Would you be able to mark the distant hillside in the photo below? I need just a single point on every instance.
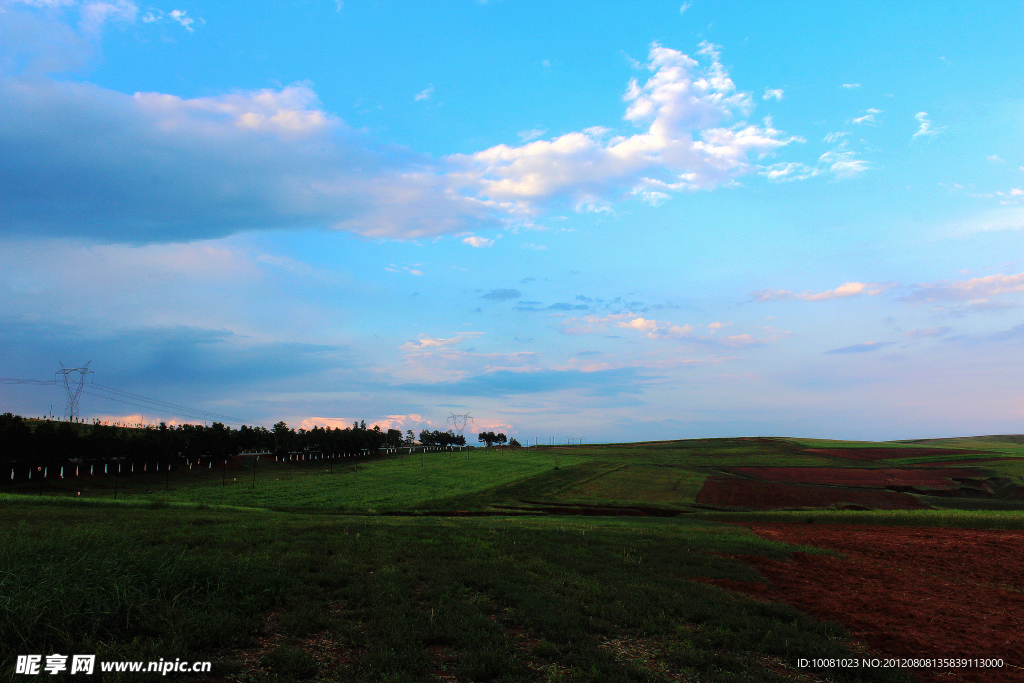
(971, 441)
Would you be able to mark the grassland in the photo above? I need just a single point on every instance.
(373, 572)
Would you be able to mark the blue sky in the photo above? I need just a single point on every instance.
(579, 219)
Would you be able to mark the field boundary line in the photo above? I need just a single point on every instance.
(595, 477)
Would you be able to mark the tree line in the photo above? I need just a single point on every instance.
(46, 442)
(490, 438)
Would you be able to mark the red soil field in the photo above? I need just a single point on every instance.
(766, 495)
(940, 463)
(907, 592)
(839, 476)
(886, 453)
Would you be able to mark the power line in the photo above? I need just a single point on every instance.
(145, 401)
(120, 396)
(12, 380)
(181, 413)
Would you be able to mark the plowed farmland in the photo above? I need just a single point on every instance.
(766, 495)
(907, 592)
(885, 453)
(940, 478)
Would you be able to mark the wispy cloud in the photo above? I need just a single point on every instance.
(424, 94)
(868, 117)
(178, 16)
(847, 289)
(412, 269)
(924, 125)
(978, 289)
(427, 342)
(930, 332)
(772, 94)
(863, 347)
(685, 6)
(94, 15)
(787, 171)
(843, 162)
(850, 86)
(502, 294)
(528, 135)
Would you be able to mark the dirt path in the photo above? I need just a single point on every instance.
(909, 591)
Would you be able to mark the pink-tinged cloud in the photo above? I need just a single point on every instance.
(930, 332)
(847, 289)
(975, 290)
(655, 329)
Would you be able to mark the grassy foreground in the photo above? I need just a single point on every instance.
(402, 599)
(371, 572)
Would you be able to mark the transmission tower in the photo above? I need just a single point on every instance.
(73, 389)
(459, 421)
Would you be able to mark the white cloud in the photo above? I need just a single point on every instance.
(850, 86)
(425, 93)
(693, 138)
(995, 159)
(925, 126)
(792, 170)
(842, 163)
(847, 289)
(772, 94)
(534, 247)
(181, 16)
(685, 6)
(656, 329)
(869, 117)
(527, 135)
(427, 342)
(478, 242)
(184, 169)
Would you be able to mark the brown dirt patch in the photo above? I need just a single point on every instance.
(941, 478)
(886, 453)
(767, 495)
(908, 592)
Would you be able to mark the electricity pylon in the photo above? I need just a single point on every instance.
(459, 421)
(74, 390)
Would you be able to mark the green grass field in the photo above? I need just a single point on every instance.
(373, 573)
